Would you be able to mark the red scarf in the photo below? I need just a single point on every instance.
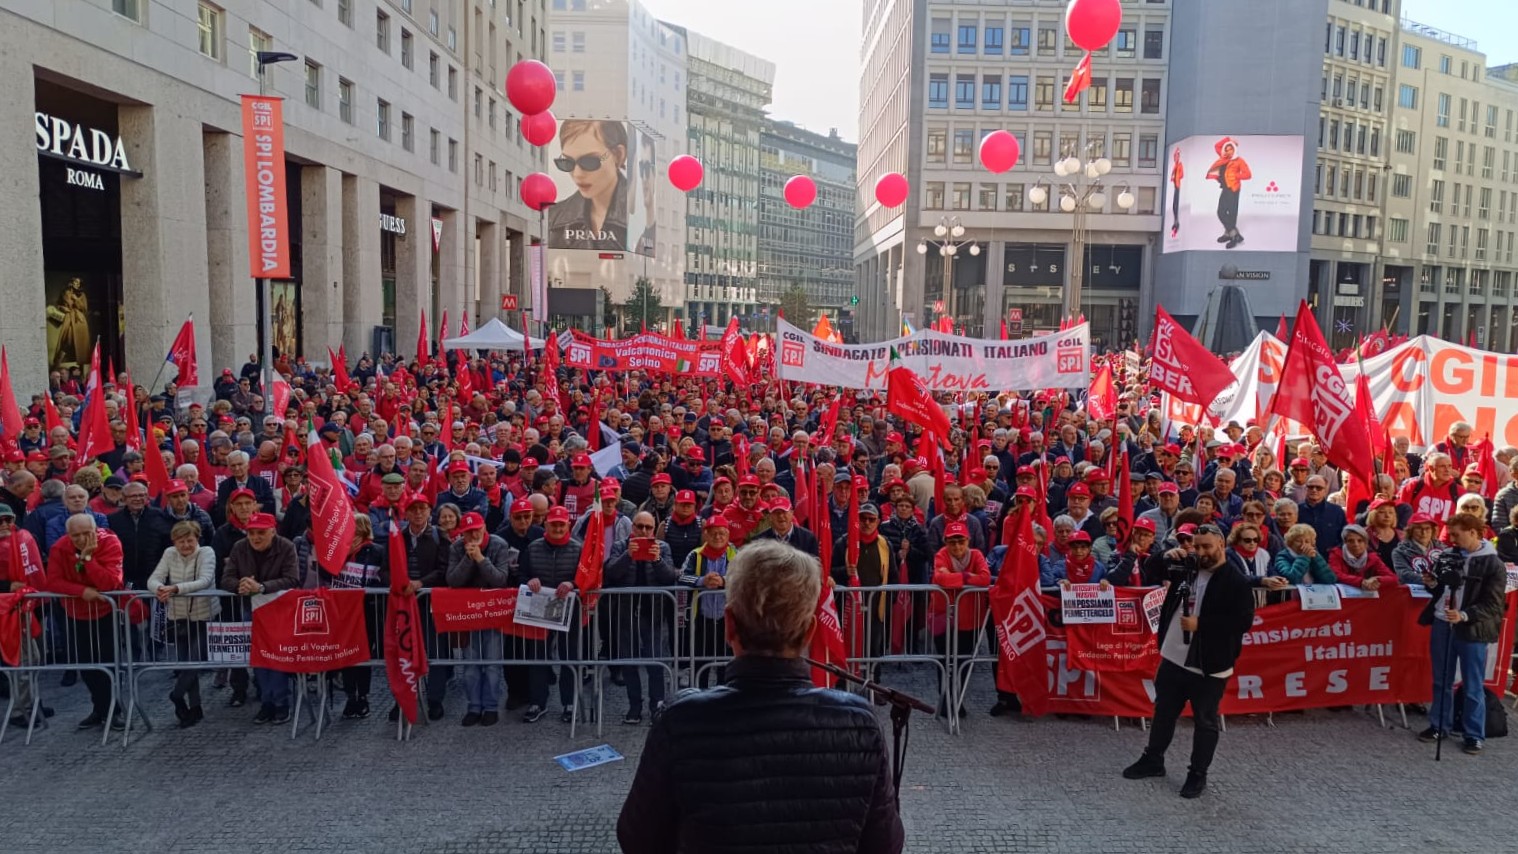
(710, 554)
(1079, 570)
(684, 520)
(1248, 552)
(557, 541)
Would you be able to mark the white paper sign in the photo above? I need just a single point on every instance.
(1320, 597)
(1350, 591)
(228, 643)
(1154, 604)
(1087, 604)
(544, 609)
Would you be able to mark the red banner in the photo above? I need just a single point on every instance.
(405, 651)
(1127, 645)
(310, 631)
(475, 610)
(648, 351)
(263, 152)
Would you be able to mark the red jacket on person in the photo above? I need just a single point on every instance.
(1374, 568)
(68, 576)
(21, 560)
(972, 611)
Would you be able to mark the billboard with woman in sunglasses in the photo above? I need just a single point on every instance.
(595, 180)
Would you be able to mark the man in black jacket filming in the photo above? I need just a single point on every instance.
(1208, 607)
(766, 761)
(1465, 616)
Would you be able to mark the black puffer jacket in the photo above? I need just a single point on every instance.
(766, 762)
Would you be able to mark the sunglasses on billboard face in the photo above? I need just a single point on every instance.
(586, 163)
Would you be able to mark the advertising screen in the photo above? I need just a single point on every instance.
(604, 171)
(1233, 192)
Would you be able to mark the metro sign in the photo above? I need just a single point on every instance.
(508, 302)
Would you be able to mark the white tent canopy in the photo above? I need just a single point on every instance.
(494, 335)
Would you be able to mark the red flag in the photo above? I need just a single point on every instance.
(593, 429)
(11, 422)
(740, 454)
(735, 355)
(1281, 331)
(1124, 499)
(1080, 79)
(929, 450)
(405, 653)
(1020, 622)
(134, 429)
(1101, 400)
(462, 376)
(679, 329)
(157, 472)
(1486, 463)
(829, 422)
(1470, 338)
(527, 343)
(442, 333)
(852, 613)
(1313, 393)
(588, 572)
(331, 510)
(463, 324)
(851, 550)
(53, 419)
(827, 640)
(423, 351)
(94, 429)
(182, 354)
(822, 526)
(340, 376)
(1004, 330)
(1182, 366)
(908, 398)
(281, 392)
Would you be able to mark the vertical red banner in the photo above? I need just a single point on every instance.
(263, 151)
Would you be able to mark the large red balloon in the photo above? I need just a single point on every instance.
(800, 191)
(891, 190)
(685, 172)
(1093, 23)
(999, 151)
(538, 191)
(540, 129)
(530, 86)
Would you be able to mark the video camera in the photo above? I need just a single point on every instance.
(1449, 569)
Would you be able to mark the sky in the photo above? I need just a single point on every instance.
(814, 45)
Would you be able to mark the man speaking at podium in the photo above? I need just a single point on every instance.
(765, 762)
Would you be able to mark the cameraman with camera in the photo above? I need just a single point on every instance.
(1469, 584)
(1209, 605)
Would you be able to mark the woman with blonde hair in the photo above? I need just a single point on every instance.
(1300, 562)
(186, 567)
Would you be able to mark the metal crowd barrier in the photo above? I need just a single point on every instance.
(89, 647)
(898, 630)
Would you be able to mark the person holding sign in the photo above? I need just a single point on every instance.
(1208, 607)
(186, 567)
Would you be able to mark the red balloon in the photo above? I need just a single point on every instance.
(538, 191)
(1093, 23)
(891, 190)
(685, 172)
(999, 151)
(800, 191)
(540, 129)
(530, 86)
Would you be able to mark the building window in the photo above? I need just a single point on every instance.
(408, 54)
(1125, 44)
(1436, 197)
(1444, 63)
(990, 92)
(1149, 150)
(490, 111)
(313, 85)
(258, 41)
(479, 103)
(938, 90)
(1043, 147)
(345, 12)
(1154, 44)
(1407, 97)
(1150, 97)
(1043, 95)
(576, 42)
(964, 145)
(433, 70)
(961, 199)
(1017, 92)
(1441, 151)
(453, 83)
(1122, 149)
(940, 36)
(434, 143)
(432, 26)
(967, 38)
(577, 81)
(992, 43)
(1412, 56)
(1021, 41)
(1407, 141)
(964, 91)
(1048, 41)
(382, 118)
(453, 39)
(125, 8)
(938, 144)
(1122, 95)
(1396, 230)
(1012, 200)
(408, 132)
(453, 155)
(1441, 113)
(210, 31)
(1096, 96)
(560, 43)
(345, 100)
(382, 32)
(933, 197)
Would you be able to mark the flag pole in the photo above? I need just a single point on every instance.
(159, 375)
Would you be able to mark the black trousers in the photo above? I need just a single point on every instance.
(1174, 687)
(1228, 210)
(95, 643)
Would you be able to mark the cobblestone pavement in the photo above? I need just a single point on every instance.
(1323, 781)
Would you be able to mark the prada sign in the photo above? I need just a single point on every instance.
(83, 146)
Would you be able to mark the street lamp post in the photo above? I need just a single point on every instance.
(950, 234)
(1082, 189)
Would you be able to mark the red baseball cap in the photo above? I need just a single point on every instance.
(1474, 469)
(861, 482)
(15, 456)
(610, 490)
(580, 461)
(685, 496)
(1300, 463)
(176, 486)
(1080, 537)
(1097, 475)
(260, 522)
(558, 514)
(32, 422)
(893, 436)
(748, 480)
(695, 453)
(1378, 503)
(781, 503)
(530, 462)
(416, 498)
(458, 466)
(659, 478)
(1170, 487)
(956, 529)
(1026, 492)
(521, 505)
(895, 481)
(717, 521)
(1026, 470)
(471, 522)
(1172, 449)
(1186, 530)
(36, 457)
(1422, 519)
(1078, 490)
(1142, 524)
(241, 492)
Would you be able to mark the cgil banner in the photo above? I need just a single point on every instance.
(310, 631)
(647, 351)
(1372, 651)
(944, 362)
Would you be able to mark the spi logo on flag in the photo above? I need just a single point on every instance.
(709, 362)
(1023, 628)
(578, 354)
(793, 354)
(311, 617)
(1069, 360)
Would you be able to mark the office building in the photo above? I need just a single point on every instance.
(403, 162)
(812, 247)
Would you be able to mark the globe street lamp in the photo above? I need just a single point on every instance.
(1082, 190)
(950, 234)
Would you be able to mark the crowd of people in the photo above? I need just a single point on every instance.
(487, 470)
